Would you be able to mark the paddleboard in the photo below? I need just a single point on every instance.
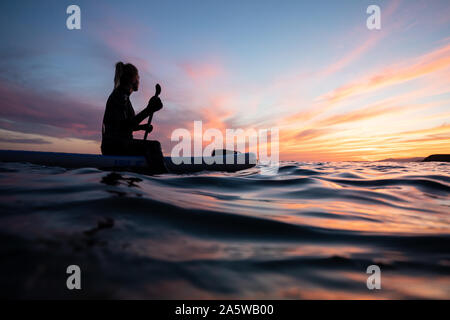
(226, 162)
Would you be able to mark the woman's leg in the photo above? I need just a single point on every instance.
(151, 149)
(116, 147)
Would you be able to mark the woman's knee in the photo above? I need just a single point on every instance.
(154, 144)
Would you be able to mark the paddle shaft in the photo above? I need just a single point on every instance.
(150, 117)
(148, 125)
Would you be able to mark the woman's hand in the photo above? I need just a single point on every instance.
(155, 104)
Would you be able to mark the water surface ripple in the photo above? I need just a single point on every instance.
(306, 232)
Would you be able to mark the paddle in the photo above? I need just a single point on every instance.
(157, 92)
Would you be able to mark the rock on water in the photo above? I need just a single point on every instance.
(438, 157)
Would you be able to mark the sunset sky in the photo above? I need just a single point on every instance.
(336, 90)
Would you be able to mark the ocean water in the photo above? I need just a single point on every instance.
(307, 232)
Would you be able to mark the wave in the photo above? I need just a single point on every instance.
(308, 231)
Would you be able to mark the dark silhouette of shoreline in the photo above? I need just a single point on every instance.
(433, 157)
(437, 157)
(414, 159)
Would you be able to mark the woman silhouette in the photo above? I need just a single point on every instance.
(119, 120)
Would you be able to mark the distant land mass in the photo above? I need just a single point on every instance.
(438, 157)
(433, 157)
(415, 159)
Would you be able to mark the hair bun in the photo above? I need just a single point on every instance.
(118, 74)
(125, 74)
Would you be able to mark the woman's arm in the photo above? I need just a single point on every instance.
(137, 119)
(143, 127)
(154, 105)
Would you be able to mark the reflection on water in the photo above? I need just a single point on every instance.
(308, 232)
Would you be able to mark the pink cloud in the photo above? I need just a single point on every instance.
(48, 114)
(202, 71)
(436, 60)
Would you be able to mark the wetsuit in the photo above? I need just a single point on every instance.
(119, 122)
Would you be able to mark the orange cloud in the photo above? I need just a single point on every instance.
(201, 71)
(352, 55)
(413, 69)
(375, 131)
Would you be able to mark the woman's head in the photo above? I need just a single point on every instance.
(126, 76)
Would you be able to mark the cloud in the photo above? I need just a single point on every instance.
(24, 141)
(444, 128)
(436, 60)
(202, 71)
(310, 134)
(352, 56)
(296, 99)
(48, 113)
(433, 63)
(366, 113)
